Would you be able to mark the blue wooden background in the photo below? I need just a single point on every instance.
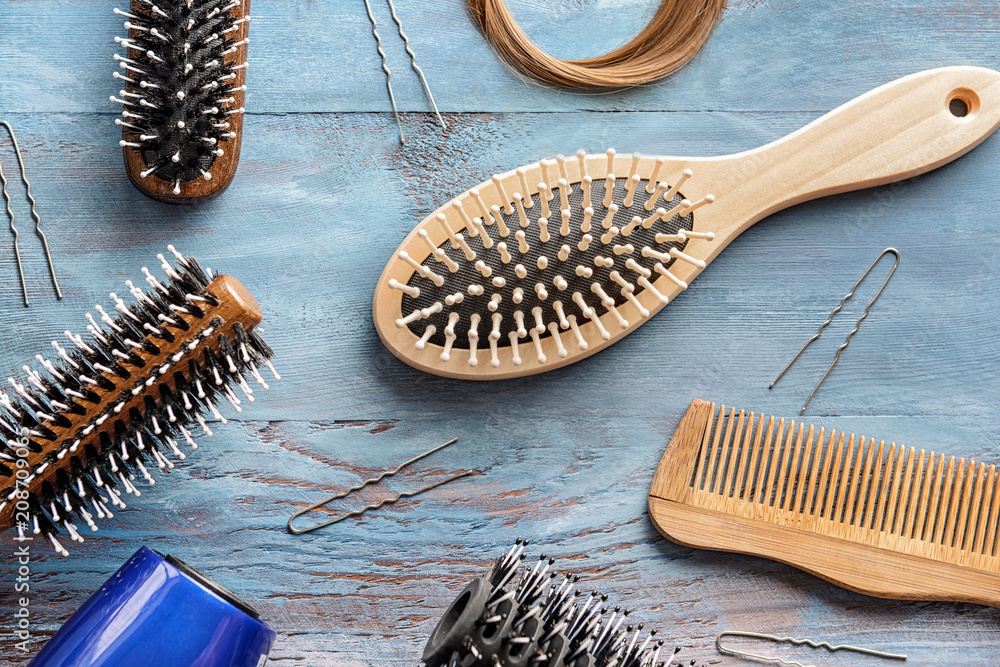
(324, 195)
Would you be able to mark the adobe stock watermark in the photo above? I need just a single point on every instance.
(22, 553)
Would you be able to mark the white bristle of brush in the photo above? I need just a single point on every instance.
(179, 67)
(516, 610)
(106, 455)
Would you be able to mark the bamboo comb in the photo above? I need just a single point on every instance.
(885, 521)
(78, 434)
(550, 263)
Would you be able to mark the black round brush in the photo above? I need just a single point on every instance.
(521, 616)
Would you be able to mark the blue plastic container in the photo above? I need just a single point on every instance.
(159, 612)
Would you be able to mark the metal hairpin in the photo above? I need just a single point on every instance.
(385, 68)
(413, 63)
(836, 310)
(374, 480)
(388, 72)
(34, 215)
(797, 642)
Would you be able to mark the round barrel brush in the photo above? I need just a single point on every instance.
(528, 616)
(78, 433)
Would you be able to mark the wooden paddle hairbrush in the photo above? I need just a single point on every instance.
(884, 521)
(77, 434)
(552, 262)
(184, 72)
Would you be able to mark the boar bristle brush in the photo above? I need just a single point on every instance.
(521, 616)
(79, 432)
(550, 263)
(184, 74)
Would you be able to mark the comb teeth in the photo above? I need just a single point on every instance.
(854, 488)
(570, 243)
(127, 400)
(181, 84)
(523, 615)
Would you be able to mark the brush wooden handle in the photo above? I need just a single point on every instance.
(896, 131)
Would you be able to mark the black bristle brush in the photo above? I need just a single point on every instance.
(520, 616)
(80, 431)
(184, 74)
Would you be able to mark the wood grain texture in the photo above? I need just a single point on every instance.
(235, 306)
(757, 506)
(309, 56)
(326, 193)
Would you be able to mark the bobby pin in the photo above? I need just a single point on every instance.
(830, 319)
(34, 215)
(385, 68)
(413, 63)
(797, 642)
(374, 480)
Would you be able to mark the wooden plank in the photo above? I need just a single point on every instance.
(320, 56)
(308, 237)
(375, 586)
(324, 195)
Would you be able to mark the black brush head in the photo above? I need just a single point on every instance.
(619, 250)
(544, 265)
(78, 433)
(180, 85)
(519, 615)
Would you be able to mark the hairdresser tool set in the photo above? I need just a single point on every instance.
(543, 266)
(183, 66)
(126, 399)
(529, 271)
